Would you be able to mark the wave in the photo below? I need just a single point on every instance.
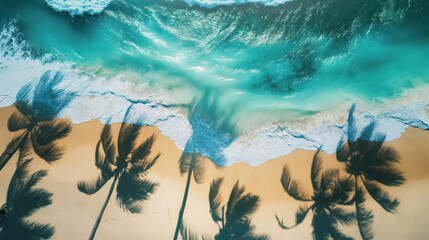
(95, 91)
(297, 58)
(79, 7)
(213, 3)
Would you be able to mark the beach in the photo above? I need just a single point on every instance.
(73, 213)
(214, 119)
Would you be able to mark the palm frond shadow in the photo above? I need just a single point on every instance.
(23, 200)
(128, 163)
(330, 192)
(233, 219)
(36, 119)
(373, 167)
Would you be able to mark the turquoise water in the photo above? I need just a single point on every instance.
(267, 63)
(260, 72)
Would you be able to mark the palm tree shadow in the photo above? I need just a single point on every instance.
(232, 219)
(329, 193)
(373, 167)
(23, 200)
(208, 137)
(127, 163)
(36, 119)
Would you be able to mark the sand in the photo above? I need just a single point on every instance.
(73, 213)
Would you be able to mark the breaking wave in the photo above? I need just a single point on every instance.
(79, 7)
(94, 91)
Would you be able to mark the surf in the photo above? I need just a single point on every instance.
(275, 78)
(92, 7)
(79, 7)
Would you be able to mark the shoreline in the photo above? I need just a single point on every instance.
(262, 93)
(92, 92)
(161, 210)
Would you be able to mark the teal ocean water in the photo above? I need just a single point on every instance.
(253, 71)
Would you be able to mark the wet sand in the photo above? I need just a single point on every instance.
(73, 213)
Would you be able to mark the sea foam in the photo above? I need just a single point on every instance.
(107, 98)
(213, 3)
(79, 7)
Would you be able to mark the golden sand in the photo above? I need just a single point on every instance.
(73, 213)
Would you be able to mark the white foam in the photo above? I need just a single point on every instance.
(79, 7)
(106, 98)
(17, 66)
(272, 141)
(213, 3)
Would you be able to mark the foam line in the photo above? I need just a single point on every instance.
(79, 7)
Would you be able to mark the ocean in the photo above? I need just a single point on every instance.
(241, 80)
